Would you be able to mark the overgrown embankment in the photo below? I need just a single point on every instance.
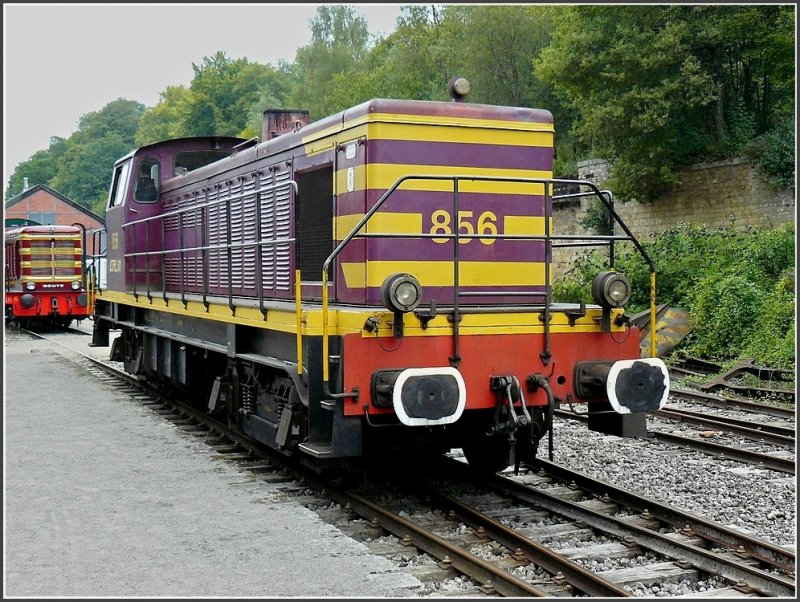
(738, 285)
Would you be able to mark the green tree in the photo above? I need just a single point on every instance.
(657, 87)
(339, 42)
(39, 169)
(164, 120)
(84, 170)
(222, 94)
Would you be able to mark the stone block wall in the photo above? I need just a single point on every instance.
(720, 194)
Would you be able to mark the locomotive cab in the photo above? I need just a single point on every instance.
(135, 205)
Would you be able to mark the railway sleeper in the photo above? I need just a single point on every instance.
(651, 574)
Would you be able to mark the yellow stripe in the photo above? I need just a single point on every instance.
(491, 324)
(384, 175)
(43, 264)
(521, 225)
(48, 251)
(459, 134)
(456, 129)
(381, 222)
(440, 273)
(434, 120)
(411, 223)
(351, 320)
(277, 319)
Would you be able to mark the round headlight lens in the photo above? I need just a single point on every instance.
(618, 291)
(30, 285)
(611, 289)
(76, 285)
(406, 294)
(401, 293)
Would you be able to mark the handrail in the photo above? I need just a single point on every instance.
(228, 246)
(548, 238)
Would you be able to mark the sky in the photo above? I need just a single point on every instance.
(61, 61)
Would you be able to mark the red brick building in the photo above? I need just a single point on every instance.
(46, 206)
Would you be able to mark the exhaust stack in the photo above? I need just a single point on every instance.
(279, 121)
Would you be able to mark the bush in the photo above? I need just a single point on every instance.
(738, 286)
(775, 345)
(723, 315)
(774, 152)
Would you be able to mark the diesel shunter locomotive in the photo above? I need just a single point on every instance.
(378, 281)
(44, 275)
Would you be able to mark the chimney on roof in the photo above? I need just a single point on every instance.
(279, 121)
(25, 185)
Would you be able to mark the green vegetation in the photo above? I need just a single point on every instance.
(650, 88)
(738, 286)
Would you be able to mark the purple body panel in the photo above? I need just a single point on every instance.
(201, 236)
(413, 152)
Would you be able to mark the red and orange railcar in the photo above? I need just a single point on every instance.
(45, 275)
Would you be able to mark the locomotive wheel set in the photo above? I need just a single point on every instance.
(44, 275)
(371, 284)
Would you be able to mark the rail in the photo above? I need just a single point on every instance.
(548, 238)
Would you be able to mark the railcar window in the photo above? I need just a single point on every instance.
(120, 185)
(147, 180)
(190, 160)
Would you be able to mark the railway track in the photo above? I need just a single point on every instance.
(465, 538)
(731, 449)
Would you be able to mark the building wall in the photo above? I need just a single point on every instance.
(714, 195)
(43, 201)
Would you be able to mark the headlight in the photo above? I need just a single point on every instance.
(401, 293)
(76, 285)
(611, 289)
(30, 285)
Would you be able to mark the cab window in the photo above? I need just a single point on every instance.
(147, 180)
(190, 160)
(119, 185)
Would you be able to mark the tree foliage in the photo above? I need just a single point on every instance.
(41, 168)
(657, 87)
(339, 42)
(650, 87)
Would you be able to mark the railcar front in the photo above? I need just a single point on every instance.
(44, 275)
(379, 280)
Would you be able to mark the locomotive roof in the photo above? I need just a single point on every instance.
(227, 141)
(432, 108)
(18, 230)
(415, 111)
(378, 109)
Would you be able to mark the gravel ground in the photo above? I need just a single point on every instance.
(52, 534)
(758, 501)
(105, 499)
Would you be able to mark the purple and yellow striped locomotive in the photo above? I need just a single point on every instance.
(377, 280)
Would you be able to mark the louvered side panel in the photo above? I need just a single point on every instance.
(217, 239)
(236, 237)
(249, 236)
(283, 232)
(276, 231)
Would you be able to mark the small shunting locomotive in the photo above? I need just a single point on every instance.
(375, 282)
(45, 275)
